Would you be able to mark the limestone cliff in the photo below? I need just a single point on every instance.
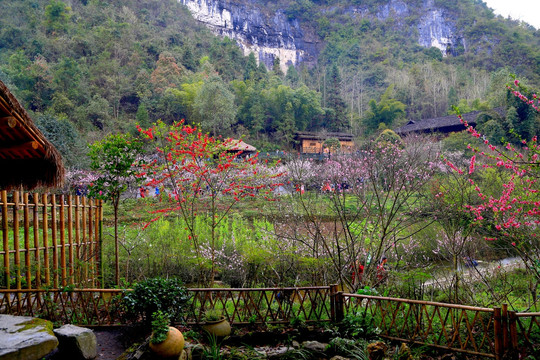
(271, 34)
(267, 35)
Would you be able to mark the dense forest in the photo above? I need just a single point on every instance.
(85, 68)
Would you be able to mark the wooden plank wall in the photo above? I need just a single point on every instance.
(49, 241)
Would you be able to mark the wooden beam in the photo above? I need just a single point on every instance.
(30, 145)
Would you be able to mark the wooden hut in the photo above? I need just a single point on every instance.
(313, 142)
(239, 146)
(27, 158)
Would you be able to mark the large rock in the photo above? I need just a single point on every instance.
(25, 337)
(78, 342)
(314, 346)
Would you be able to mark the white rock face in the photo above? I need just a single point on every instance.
(271, 36)
(25, 337)
(267, 37)
(435, 31)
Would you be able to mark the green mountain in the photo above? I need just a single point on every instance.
(85, 68)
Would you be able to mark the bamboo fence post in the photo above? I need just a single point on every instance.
(70, 236)
(78, 238)
(44, 229)
(16, 245)
(85, 259)
(5, 238)
(36, 240)
(91, 241)
(27, 241)
(63, 241)
(99, 240)
(54, 241)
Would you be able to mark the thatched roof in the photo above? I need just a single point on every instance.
(443, 124)
(27, 158)
(239, 145)
(306, 135)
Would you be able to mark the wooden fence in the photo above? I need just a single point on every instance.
(491, 333)
(49, 241)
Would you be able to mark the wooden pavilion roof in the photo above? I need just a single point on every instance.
(443, 124)
(27, 158)
(239, 145)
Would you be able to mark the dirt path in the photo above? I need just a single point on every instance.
(483, 269)
(110, 343)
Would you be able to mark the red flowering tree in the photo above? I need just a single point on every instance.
(510, 216)
(203, 176)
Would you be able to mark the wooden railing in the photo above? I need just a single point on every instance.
(471, 330)
(452, 327)
(240, 306)
(263, 305)
(49, 241)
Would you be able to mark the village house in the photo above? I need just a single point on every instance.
(318, 142)
(443, 124)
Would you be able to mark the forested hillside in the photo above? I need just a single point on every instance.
(85, 68)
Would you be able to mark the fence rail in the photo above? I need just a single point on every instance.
(49, 240)
(263, 305)
(472, 330)
(457, 328)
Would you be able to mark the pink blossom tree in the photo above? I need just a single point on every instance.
(368, 203)
(511, 215)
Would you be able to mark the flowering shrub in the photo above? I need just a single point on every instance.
(510, 217)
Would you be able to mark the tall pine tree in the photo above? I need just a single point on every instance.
(336, 118)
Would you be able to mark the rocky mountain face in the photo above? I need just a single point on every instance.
(274, 34)
(267, 35)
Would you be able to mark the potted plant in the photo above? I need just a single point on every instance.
(166, 341)
(216, 324)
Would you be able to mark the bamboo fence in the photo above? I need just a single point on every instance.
(482, 332)
(49, 241)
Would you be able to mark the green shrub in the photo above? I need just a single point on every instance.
(160, 327)
(157, 294)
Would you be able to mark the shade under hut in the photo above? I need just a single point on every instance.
(27, 158)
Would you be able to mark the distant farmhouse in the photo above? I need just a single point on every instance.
(444, 124)
(27, 158)
(314, 142)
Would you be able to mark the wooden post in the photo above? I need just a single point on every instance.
(27, 241)
(512, 324)
(63, 241)
(340, 313)
(498, 336)
(504, 325)
(100, 240)
(5, 238)
(36, 240)
(97, 248)
(333, 302)
(54, 241)
(85, 259)
(78, 238)
(44, 229)
(16, 244)
(70, 237)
